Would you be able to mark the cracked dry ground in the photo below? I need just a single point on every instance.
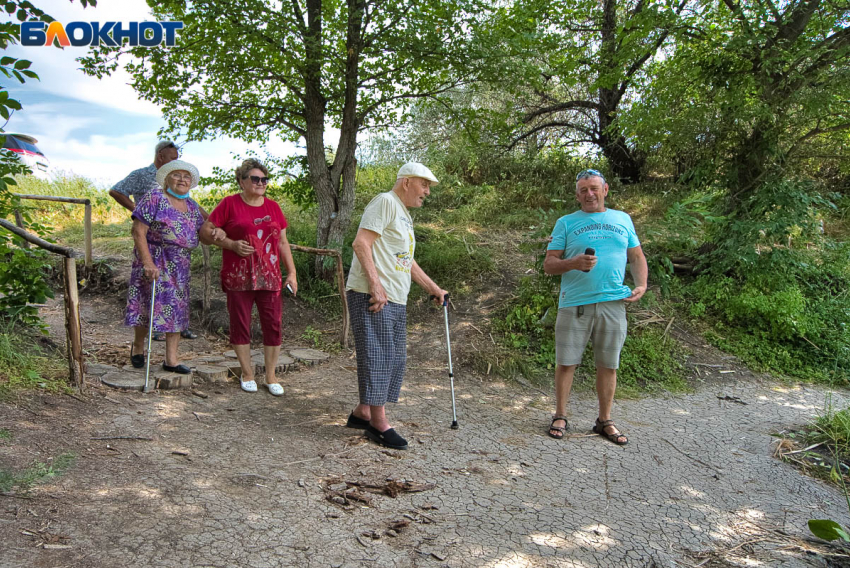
(263, 480)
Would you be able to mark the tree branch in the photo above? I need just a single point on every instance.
(554, 124)
(566, 105)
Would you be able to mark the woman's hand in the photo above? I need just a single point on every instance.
(292, 282)
(151, 272)
(218, 234)
(242, 248)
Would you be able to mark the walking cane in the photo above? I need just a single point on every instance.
(449, 347)
(148, 386)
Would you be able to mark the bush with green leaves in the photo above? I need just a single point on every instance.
(778, 287)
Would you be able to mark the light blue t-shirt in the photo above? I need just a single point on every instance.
(610, 233)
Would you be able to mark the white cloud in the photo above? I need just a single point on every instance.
(107, 159)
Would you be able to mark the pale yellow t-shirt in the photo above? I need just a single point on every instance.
(392, 252)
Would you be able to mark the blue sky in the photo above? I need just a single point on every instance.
(99, 128)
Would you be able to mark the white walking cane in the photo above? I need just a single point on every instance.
(449, 347)
(148, 386)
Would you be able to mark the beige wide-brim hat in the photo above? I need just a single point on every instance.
(174, 166)
(415, 169)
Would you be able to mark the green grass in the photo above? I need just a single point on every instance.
(24, 366)
(113, 239)
(826, 439)
(22, 481)
(5, 434)
(831, 428)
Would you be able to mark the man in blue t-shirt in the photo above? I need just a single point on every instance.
(591, 305)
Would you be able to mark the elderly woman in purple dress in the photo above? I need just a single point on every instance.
(165, 230)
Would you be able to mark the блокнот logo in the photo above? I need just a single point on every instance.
(112, 34)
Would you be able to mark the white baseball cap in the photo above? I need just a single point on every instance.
(415, 169)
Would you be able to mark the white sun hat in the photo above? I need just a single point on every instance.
(415, 169)
(174, 166)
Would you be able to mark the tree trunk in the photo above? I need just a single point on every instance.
(334, 213)
(627, 163)
(751, 163)
(336, 200)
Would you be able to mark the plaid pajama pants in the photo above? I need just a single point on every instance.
(381, 343)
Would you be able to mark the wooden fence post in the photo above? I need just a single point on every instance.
(340, 278)
(88, 235)
(73, 327)
(205, 305)
(19, 221)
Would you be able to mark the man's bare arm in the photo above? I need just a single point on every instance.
(123, 200)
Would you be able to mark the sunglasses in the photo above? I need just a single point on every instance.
(257, 180)
(172, 145)
(584, 174)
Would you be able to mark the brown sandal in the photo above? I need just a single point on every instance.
(600, 426)
(561, 429)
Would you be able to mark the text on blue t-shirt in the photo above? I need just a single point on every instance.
(610, 233)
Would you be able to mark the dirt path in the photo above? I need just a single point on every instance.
(256, 481)
(262, 479)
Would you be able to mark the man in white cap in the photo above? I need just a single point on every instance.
(138, 183)
(378, 285)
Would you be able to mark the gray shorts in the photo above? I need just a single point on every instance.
(603, 323)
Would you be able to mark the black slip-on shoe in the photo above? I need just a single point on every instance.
(182, 369)
(356, 422)
(138, 361)
(158, 336)
(188, 334)
(388, 438)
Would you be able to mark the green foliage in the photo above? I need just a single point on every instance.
(38, 472)
(5, 434)
(306, 67)
(24, 366)
(778, 286)
(832, 428)
(828, 530)
(450, 259)
(651, 362)
(288, 181)
(24, 272)
(22, 282)
(755, 89)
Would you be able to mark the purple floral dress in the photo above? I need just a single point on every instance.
(171, 237)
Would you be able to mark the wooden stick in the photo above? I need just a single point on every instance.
(50, 247)
(205, 309)
(77, 200)
(76, 365)
(813, 446)
(144, 439)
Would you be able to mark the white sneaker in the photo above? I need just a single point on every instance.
(275, 388)
(248, 386)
